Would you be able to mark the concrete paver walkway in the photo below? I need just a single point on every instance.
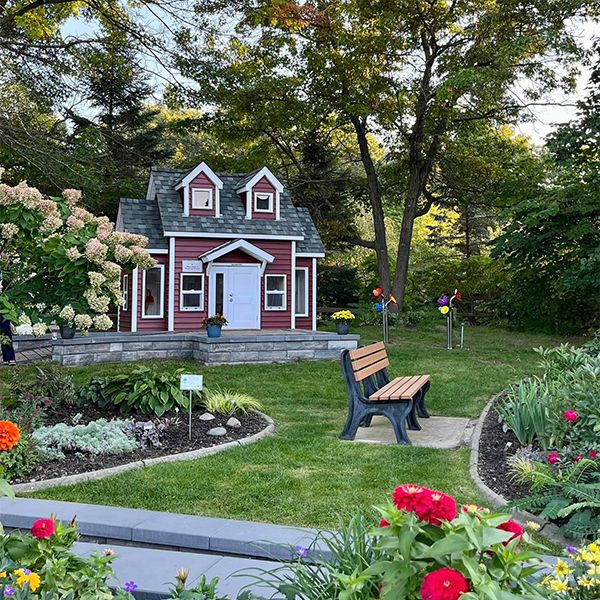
(436, 432)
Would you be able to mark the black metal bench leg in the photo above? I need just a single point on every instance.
(366, 422)
(355, 416)
(398, 415)
(411, 419)
(421, 410)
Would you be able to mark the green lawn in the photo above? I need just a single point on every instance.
(305, 475)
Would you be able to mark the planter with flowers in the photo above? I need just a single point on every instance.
(540, 443)
(343, 319)
(214, 325)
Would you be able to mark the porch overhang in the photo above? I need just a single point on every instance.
(264, 258)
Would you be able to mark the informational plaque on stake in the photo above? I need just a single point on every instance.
(191, 383)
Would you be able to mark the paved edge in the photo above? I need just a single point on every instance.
(548, 530)
(34, 486)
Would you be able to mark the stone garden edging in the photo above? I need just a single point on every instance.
(548, 530)
(33, 486)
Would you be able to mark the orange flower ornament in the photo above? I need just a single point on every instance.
(9, 435)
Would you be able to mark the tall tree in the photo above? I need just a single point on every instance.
(408, 73)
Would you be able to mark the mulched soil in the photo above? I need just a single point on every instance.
(175, 439)
(495, 448)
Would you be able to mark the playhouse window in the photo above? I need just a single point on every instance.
(153, 291)
(125, 292)
(263, 202)
(302, 292)
(201, 199)
(191, 295)
(275, 292)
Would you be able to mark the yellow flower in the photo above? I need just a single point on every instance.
(562, 569)
(343, 315)
(586, 582)
(556, 585)
(25, 576)
(532, 526)
(2, 574)
(594, 570)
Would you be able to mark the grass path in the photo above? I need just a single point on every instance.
(305, 475)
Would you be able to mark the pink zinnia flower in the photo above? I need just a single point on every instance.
(593, 453)
(553, 458)
(570, 415)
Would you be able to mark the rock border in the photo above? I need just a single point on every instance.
(547, 529)
(34, 486)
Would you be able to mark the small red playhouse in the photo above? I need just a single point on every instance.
(232, 244)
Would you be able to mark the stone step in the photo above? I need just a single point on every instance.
(144, 528)
(153, 571)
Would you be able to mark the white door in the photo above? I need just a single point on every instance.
(236, 288)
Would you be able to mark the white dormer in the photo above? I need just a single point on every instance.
(201, 198)
(262, 202)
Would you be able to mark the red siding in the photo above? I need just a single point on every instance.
(190, 249)
(203, 182)
(237, 256)
(306, 322)
(263, 186)
(153, 324)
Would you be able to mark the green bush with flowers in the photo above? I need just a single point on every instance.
(343, 316)
(59, 262)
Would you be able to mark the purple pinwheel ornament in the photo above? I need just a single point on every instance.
(443, 300)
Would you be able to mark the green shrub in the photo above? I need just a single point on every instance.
(143, 390)
(51, 381)
(19, 461)
(227, 402)
(97, 437)
(27, 411)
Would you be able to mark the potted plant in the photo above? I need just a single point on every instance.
(342, 319)
(213, 325)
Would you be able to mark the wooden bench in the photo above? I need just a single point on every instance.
(371, 392)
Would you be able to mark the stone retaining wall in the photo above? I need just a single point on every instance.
(232, 348)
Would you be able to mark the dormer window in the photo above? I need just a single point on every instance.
(263, 202)
(202, 199)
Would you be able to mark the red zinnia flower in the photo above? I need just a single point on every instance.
(593, 453)
(570, 415)
(412, 498)
(512, 527)
(43, 528)
(442, 508)
(553, 458)
(577, 458)
(383, 523)
(444, 584)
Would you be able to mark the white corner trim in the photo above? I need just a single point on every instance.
(243, 245)
(314, 294)
(157, 250)
(171, 307)
(134, 300)
(201, 168)
(186, 201)
(277, 204)
(293, 288)
(264, 172)
(310, 254)
(248, 205)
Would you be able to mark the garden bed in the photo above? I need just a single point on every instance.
(174, 440)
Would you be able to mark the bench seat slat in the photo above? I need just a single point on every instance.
(401, 388)
(415, 386)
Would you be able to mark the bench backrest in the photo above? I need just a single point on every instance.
(368, 360)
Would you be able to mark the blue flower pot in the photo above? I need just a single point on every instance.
(213, 331)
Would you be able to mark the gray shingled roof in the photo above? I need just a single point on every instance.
(143, 217)
(153, 217)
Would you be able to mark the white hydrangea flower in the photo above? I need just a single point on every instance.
(96, 279)
(24, 320)
(67, 314)
(9, 230)
(83, 322)
(102, 322)
(39, 329)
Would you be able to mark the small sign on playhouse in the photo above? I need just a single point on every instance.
(189, 382)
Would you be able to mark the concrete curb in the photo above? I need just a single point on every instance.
(34, 486)
(548, 530)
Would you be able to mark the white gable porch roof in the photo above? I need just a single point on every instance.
(254, 251)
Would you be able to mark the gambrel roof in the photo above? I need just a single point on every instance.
(161, 214)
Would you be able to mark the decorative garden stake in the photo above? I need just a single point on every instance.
(382, 307)
(446, 308)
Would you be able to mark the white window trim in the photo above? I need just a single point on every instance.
(210, 198)
(263, 210)
(282, 293)
(161, 314)
(125, 292)
(183, 293)
(306, 295)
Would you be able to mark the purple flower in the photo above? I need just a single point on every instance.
(301, 551)
(130, 586)
(9, 590)
(443, 300)
(26, 572)
(571, 549)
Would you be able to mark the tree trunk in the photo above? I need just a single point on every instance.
(383, 263)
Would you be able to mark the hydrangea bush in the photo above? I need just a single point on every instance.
(59, 262)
